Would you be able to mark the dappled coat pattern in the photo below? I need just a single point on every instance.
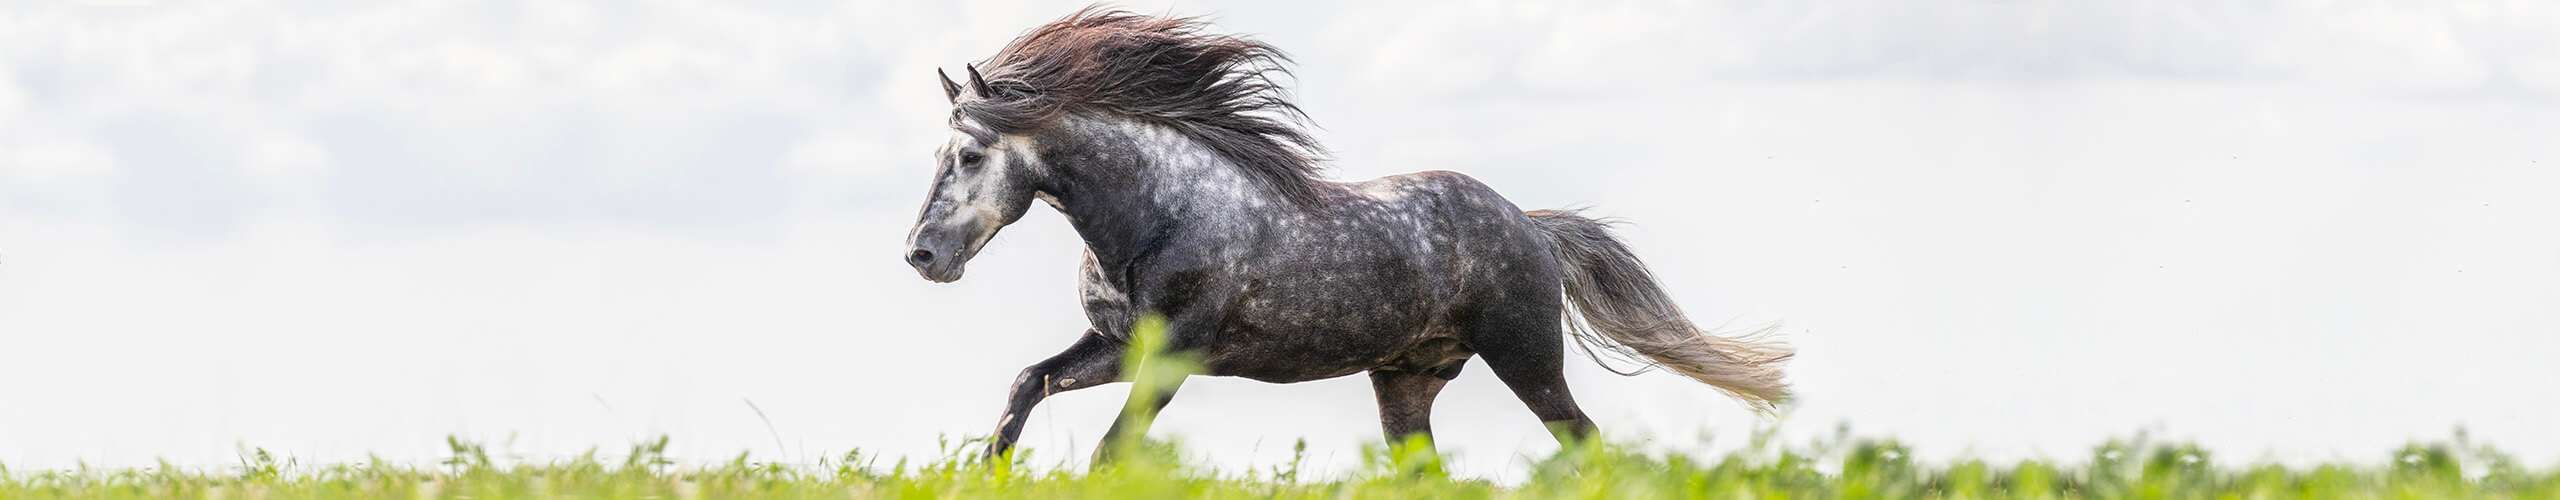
(1183, 166)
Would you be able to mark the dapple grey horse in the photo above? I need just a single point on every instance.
(1185, 169)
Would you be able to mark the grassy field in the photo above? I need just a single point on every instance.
(1840, 467)
(1852, 469)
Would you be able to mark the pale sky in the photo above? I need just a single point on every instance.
(2288, 231)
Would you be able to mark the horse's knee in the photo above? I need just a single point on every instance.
(1033, 377)
(1045, 379)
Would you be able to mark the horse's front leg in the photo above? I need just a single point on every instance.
(1136, 415)
(1187, 333)
(1093, 360)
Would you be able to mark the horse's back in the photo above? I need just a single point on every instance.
(1496, 260)
(1467, 221)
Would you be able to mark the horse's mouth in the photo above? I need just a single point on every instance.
(942, 273)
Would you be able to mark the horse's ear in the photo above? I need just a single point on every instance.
(950, 90)
(979, 83)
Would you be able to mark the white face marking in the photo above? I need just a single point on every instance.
(977, 196)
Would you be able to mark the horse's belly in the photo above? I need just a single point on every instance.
(1326, 304)
(1300, 340)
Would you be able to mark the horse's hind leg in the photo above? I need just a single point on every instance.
(1404, 400)
(1525, 348)
(1093, 360)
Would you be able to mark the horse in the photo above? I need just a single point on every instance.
(1189, 174)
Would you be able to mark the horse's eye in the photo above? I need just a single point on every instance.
(971, 157)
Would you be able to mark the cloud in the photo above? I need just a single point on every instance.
(1427, 50)
(47, 161)
(391, 111)
(624, 112)
(45, 177)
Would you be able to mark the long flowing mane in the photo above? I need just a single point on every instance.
(1218, 89)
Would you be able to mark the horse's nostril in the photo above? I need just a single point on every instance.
(919, 257)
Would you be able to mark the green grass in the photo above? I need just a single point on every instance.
(1849, 469)
(1839, 467)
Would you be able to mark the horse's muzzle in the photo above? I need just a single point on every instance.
(938, 267)
(940, 247)
(937, 257)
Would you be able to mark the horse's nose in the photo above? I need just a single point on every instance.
(920, 257)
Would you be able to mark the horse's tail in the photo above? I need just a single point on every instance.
(1618, 307)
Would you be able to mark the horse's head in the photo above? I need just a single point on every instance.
(984, 179)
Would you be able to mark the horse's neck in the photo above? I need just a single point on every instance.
(1172, 184)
